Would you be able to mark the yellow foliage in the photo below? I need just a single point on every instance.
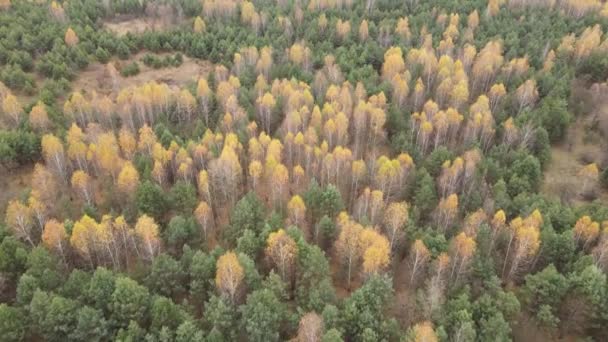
(229, 274)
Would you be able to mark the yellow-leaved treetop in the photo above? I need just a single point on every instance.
(229, 275)
(204, 216)
(81, 183)
(128, 179)
(11, 109)
(423, 332)
(447, 211)
(586, 231)
(363, 30)
(19, 220)
(589, 173)
(462, 249)
(297, 210)
(54, 154)
(203, 186)
(282, 250)
(348, 245)
(419, 256)
(527, 243)
(39, 119)
(85, 237)
(204, 95)
(71, 39)
(57, 11)
(265, 106)
(376, 251)
(393, 63)
(148, 236)
(199, 25)
(55, 238)
(395, 218)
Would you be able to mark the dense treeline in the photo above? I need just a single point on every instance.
(347, 171)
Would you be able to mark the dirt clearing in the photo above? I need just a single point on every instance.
(120, 26)
(13, 184)
(585, 143)
(95, 76)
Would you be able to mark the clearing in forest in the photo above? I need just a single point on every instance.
(584, 144)
(96, 77)
(120, 26)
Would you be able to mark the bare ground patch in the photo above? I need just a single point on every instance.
(585, 143)
(95, 76)
(122, 25)
(13, 183)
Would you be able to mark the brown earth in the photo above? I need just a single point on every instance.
(95, 76)
(121, 25)
(585, 143)
(13, 183)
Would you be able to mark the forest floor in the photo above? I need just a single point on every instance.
(13, 183)
(121, 25)
(584, 143)
(95, 76)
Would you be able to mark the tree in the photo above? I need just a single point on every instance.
(586, 231)
(54, 154)
(348, 245)
(462, 249)
(589, 173)
(12, 109)
(55, 238)
(260, 323)
(81, 183)
(129, 302)
(310, 328)
(166, 276)
(527, 240)
(546, 288)
(12, 323)
(91, 325)
(151, 200)
(266, 104)
(164, 315)
(363, 30)
(247, 214)
(419, 256)
(128, 180)
(423, 332)
(19, 220)
(183, 197)
(146, 230)
(447, 211)
(199, 25)
(229, 275)
(188, 331)
(282, 250)
(376, 251)
(365, 308)
(39, 119)
(332, 335)
(204, 216)
(296, 209)
(395, 218)
(71, 39)
(425, 195)
(61, 319)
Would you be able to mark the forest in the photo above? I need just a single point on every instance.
(303, 170)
